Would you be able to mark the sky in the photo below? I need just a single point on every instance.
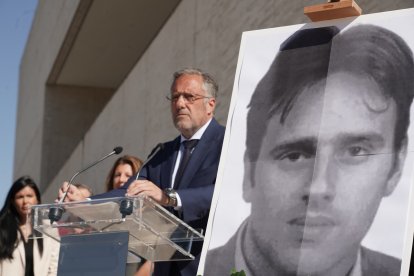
(15, 22)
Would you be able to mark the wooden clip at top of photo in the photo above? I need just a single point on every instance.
(333, 9)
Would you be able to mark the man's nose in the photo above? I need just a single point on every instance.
(180, 102)
(322, 186)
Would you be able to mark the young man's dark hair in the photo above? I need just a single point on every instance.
(311, 55)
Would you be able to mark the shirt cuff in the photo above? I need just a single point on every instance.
(179, 204)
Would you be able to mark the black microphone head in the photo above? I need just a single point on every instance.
(55, 213)
(118, 150)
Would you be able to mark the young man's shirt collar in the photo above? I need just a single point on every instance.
(241, 264)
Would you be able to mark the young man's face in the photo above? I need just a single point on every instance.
(320, 176)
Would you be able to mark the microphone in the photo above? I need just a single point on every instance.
(126, 205)
(55, 213)
(157, 148)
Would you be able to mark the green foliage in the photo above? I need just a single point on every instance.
(233, 272)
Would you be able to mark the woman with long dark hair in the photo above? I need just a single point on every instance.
(19, 254)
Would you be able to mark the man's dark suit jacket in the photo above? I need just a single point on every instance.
(195, 190)
(221, 260)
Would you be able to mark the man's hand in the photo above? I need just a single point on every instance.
(74, 194)
(145, 187)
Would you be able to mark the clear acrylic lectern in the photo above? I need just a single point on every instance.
(97, 226)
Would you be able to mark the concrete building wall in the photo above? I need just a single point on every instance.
(43, 44)
(135, 114)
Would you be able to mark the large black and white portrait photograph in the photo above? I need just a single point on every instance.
(318, 161)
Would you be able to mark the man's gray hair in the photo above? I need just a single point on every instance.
(210, 85)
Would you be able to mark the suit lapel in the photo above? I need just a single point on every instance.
(168, 166)
(205, 144)
(20, 247)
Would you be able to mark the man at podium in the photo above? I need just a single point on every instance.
(182, 175)
(326, 142)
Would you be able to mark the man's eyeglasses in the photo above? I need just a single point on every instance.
(187, 97)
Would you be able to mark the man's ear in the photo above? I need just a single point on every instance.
(211, 104)
(247, 179)
(396, 171)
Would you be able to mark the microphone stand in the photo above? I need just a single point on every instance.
(56, 212)
(126, 205)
